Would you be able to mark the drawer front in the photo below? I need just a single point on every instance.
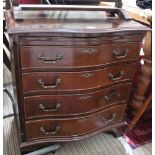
(65, 105)
(70, 81)
(74, 127)
(82, 41)
(33, 57)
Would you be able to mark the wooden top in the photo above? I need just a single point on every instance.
(69, 20)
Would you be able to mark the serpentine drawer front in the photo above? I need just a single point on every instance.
(79, 126)
(69, 81)
(85, 40)
(74, 57)
(76, 104)
(72, 74)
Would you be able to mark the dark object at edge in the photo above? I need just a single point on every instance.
(144, 4)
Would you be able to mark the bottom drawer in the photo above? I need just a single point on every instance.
(74, 127)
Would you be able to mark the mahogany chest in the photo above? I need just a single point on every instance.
(72, 70)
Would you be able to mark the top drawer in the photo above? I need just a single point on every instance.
(83, 40)
(47, 57)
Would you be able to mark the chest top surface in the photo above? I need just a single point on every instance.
(68, 21)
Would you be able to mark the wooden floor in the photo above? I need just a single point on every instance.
(102, 144)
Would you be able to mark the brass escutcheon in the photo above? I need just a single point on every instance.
(87, 75)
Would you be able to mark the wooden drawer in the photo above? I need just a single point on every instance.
(67, 105)
(82, 40)
(46, 57)
(74, 127)
(70, 81)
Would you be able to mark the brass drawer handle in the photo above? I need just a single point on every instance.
(85, 97)
(45, 132)
(90, 50)
(120, 55)
(114, 77)
(50, 61)
(109, 119)
(57, 106)
(112, 96)
(87, 75)
(48, 86)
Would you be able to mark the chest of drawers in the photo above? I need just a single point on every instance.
(72, 71)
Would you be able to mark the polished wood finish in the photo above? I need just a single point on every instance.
(145, 76)
(73, 105)
(73, 127)
(70, 71)
(49, 141)
(141, 101)
(95, 23)
(75, 81)
(83, 39)
(68, 57)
